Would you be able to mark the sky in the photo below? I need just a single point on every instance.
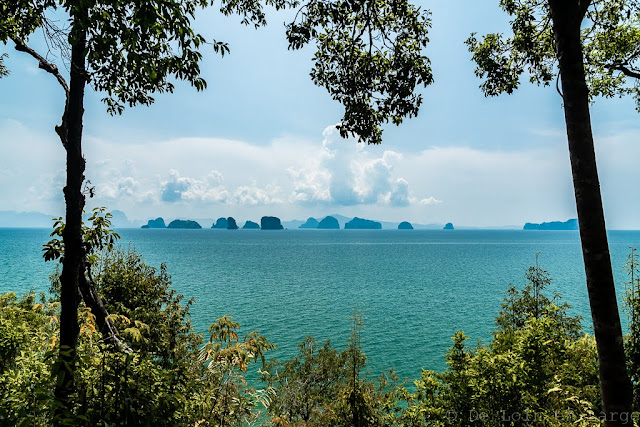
(261, 140)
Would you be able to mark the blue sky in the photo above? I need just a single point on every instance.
(260, 140)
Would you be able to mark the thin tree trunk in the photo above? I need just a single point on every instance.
(94, 302)
(614, 382)
(72, 266)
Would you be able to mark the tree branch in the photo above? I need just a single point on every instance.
(52, 69)
(43, 64)
(94, 302)
(624, 70)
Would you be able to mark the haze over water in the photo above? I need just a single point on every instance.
(414, 288)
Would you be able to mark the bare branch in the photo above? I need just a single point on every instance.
(43, 63)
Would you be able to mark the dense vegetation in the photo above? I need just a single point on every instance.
(540, 368)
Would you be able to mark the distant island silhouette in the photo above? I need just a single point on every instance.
(362, 224)
(179, 223)
(270, 223)
(405, 225)
(311, 223)
(571, 224)
(329, 223)
(448, 226)
(155, 223)
(250, 225)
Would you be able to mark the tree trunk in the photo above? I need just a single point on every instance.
(614, 382)
(94, 302)
(72, 266)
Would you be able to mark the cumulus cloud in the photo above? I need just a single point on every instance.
(208, 189)
(399, 196)
(252, 195)
(347, 174)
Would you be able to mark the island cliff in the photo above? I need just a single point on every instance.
(405, 225)
(251, 225)
(571, 224)
(178, 223)
(311, 223)
(329, 223)
(155, 223)
(362, 224)
(231, 224)
(271, 223)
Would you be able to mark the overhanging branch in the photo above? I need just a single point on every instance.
(43, 64)
(624, 70)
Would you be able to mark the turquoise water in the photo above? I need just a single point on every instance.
(414, 288)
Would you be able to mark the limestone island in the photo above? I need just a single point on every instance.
(329, 223)
(448, 226)
(405, 225)
(311, 223)
(231, 224)
(270, 223)
(178, 223)
(155, 223)
(251, 225)
(571, 224)
(362, 224)
(221, 223)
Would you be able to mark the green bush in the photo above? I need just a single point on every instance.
(168, 376)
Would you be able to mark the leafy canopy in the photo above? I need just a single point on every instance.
(369, 57)
(369, 53)
(611, 44)
(538, 369)
(133, 47)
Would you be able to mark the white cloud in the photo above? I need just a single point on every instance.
(356, 176)
(430, 201)
(253, 195)
(181, 188)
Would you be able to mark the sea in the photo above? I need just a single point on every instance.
(413, 288)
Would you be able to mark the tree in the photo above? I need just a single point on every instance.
(584, 44)
(632, 303)
(168, 378)
(369, 58)
(322, 386)
(539, 369)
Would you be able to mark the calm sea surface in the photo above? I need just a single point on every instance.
(414, 288)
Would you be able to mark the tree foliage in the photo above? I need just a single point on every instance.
(632, 304)
(539, 369)
(570, 39)
(170, 377)
(610, 38)
(3, 69)
(133, 48)
(324, 386)
(369, 58)
(369, 53)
